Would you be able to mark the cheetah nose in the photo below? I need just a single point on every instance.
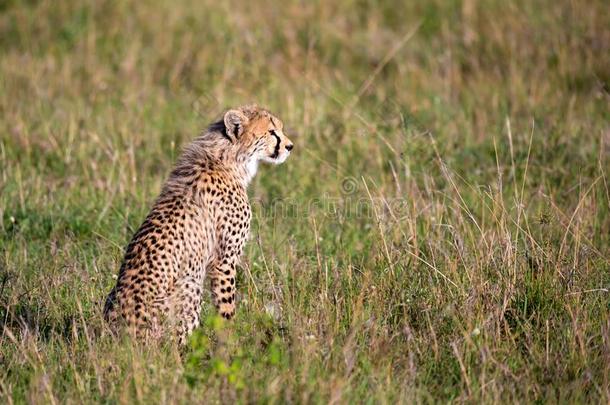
(289, 147)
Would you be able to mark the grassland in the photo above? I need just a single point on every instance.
(440, 233)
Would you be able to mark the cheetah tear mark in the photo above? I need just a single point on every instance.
(276, 151)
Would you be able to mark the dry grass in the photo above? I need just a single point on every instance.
(441, 232)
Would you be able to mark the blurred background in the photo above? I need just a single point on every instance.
(475, 134)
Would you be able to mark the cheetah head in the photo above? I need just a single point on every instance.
(258, 134)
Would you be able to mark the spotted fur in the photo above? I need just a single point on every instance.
(196, 228)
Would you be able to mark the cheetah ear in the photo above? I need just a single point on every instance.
(235, 121)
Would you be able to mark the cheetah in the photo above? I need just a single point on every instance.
(197, 227)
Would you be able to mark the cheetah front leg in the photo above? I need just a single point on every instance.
(222, 282)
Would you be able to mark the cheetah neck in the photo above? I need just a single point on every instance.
(244, 169)
(251, 168)
(218, 151)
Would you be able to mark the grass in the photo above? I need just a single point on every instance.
(441, 232)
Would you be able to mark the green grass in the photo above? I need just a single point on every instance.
(441, 232)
